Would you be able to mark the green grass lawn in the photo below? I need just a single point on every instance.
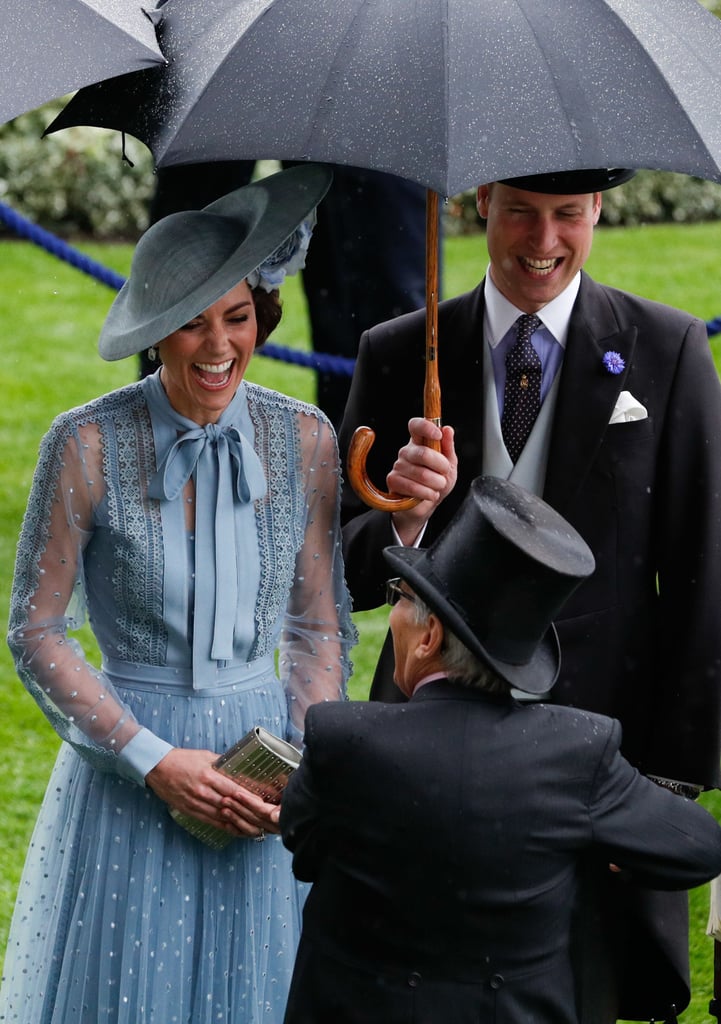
(50, 316)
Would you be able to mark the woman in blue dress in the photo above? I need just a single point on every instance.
(194, 517)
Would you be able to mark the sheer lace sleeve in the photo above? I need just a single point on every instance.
(318, 631)
(48, 598)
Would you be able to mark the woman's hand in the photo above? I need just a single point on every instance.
(421, 472)
(187, 781)
(249, 813)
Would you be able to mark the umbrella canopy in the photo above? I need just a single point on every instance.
(51, 47)
(447, 93)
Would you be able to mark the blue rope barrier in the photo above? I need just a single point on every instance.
(322, 362)
(714, 326)
(52, 244)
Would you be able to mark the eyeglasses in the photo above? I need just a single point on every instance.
(394, 592)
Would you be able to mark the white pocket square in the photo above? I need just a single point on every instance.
(628, 408)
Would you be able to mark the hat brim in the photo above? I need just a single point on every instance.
(271, 210)
(535, 676)
(571, 183)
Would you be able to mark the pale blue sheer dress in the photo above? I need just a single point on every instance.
(121, 915)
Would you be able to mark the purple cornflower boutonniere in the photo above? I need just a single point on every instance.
(613, 362)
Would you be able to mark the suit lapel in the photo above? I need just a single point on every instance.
(587, 393)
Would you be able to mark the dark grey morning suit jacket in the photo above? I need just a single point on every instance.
(443, 838)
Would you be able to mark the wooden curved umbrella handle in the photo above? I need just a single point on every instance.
(363, 438)
(385, 501)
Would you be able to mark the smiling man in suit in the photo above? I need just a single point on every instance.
(614, 418)
(444, 836)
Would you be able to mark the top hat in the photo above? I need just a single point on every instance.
(187, 261)
(498, 576)
(572, 183)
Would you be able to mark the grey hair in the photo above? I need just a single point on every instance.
(460, 663)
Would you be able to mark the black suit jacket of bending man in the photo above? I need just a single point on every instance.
(443, 837)
(640, 639)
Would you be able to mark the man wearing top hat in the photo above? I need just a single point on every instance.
(625, 442)
(443, 836)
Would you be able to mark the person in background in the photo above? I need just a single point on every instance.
(195, 517)
(366, 265)
(444, 836)
(609, 407)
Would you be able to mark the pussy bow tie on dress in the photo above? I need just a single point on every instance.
(234, 452)
(228, 474)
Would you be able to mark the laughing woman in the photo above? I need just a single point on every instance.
(195, 517)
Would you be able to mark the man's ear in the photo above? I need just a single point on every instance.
(482, 194)
(430, 644)
(597, 204)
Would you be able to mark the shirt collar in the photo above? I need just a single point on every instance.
(500, 314)
(428, 679)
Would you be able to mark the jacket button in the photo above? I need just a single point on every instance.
(414, 979)
(497, 981)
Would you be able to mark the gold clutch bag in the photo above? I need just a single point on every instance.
(260, 761)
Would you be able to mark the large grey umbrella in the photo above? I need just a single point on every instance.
(51, 47)
(448, 93)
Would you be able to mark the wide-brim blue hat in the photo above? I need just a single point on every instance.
(573, 183)
(498, 576)
(187, 261)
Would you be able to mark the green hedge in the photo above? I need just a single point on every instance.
(76, 182)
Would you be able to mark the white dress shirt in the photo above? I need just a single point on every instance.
(549, 341)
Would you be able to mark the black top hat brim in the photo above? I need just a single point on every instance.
(571, 183)
(535, 676)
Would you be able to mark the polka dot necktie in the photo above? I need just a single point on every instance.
(522, 394)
